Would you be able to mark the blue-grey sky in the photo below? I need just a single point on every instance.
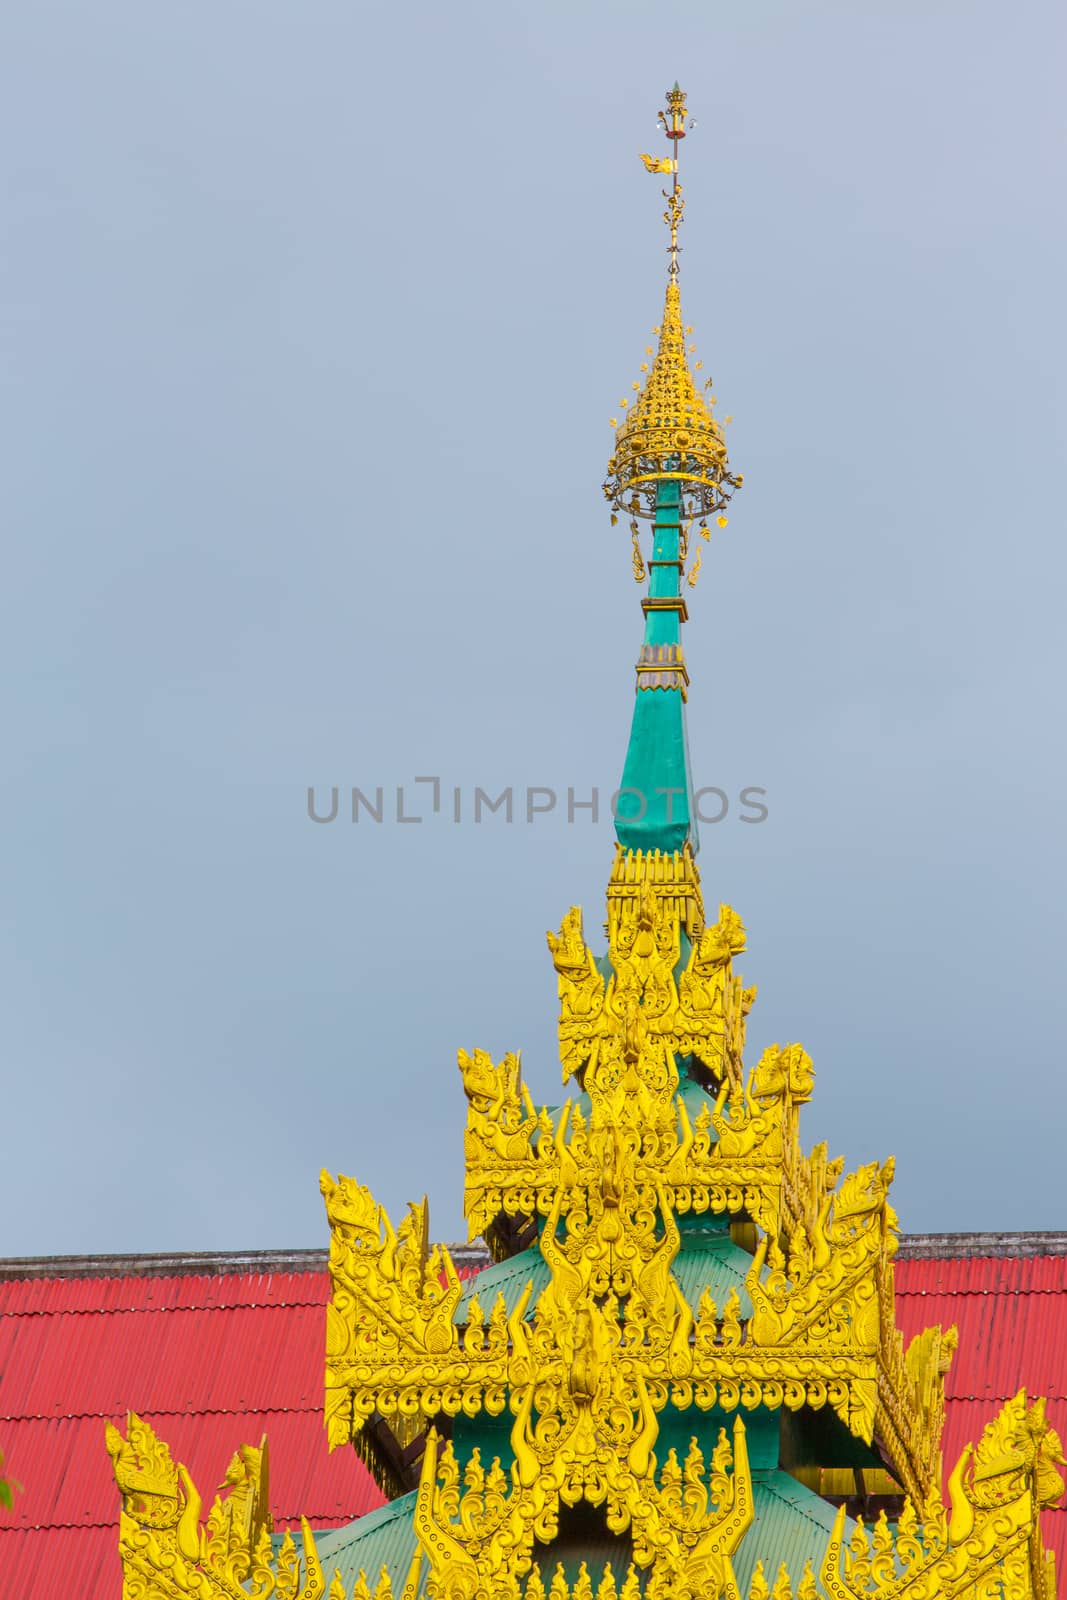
(313, 317)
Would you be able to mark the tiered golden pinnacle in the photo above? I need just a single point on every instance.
(669, 434)
(588, 1362)
(609, 1349)
(602, 1345)
(611, 1182)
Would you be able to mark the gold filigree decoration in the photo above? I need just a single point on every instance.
(168, 1551)
(669, 434)
(590, 1365)
(685, 1521)
(586, 1377)
(393, 1302)
(627, 1032)
(593, 1440)
(990, 1543)
(665, 1125)
(606, 1183)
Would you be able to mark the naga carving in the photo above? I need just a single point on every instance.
(168, 1551)
(392, 1307)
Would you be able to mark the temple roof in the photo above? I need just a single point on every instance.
(685, 1368)
(793, 1523)
(708, 1260)
(80, 1334)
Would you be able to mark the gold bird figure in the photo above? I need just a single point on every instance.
(657, 163)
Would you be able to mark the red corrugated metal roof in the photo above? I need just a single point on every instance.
(217, 1360)
(1012, 1318)
(50, 1563)
(210, 1361)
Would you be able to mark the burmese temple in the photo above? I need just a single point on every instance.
(680, 1377)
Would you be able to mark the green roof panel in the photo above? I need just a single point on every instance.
(792, 1525)
(707, 1259)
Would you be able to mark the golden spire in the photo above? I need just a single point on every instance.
(675, 124)
(670, 433)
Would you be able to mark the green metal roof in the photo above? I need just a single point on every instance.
(383, 1538)
(707, 1259)
(694, 1094)
(792, 1524)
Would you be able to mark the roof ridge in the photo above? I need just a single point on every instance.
(155, 1411)
(1008, 1392)
(112, 1523)
(946, 1293)
(983, 1245)
(54, 1527)
(193, 1263)
(133, 1311)
(227, 1263)
(164, 1263)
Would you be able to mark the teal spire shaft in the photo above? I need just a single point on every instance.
(655, 809)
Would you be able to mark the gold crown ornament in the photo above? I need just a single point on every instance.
(669, 432)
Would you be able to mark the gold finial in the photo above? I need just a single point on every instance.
(675, 123)
(669, 432)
